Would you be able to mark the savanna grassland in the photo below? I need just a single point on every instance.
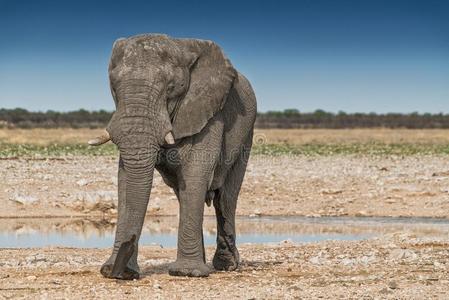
(295, 172)
(69, 141)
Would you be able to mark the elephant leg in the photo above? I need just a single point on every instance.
(225, 202)
(128, 230)
(194, 179)
(190, 259)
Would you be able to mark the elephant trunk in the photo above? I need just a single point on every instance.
(135, 182)
(135, 178)
(138, 130)
(139, 127)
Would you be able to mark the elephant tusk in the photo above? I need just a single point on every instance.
(100, 140)
(169, 138)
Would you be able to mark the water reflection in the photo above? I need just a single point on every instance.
(163, 230)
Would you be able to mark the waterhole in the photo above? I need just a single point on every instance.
(162, 231)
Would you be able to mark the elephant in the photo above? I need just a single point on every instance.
(182, 109)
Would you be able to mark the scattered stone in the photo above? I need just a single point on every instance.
(157, 286)
(317, 260)
(36, 258)
(441, 174)
(361, 213)
(331, 192)
(82, 182)
(402, 254)
(286, 242)
(392, 285)
(348, 262)
(24, 199)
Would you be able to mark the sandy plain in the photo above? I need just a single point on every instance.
(398, 264)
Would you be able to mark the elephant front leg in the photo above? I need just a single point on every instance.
(191, 255)
(122, 264)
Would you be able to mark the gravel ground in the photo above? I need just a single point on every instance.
(391, 267)
(407, 264)
(285, 185)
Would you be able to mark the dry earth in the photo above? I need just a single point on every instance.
(284, 185)
(392, 267)
(401, 263)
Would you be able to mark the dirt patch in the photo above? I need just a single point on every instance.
(412, 264)
(394, 266)
(285, 185)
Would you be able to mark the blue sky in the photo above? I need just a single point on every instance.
(357, 56)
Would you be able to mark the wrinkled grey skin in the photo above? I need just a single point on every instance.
(186, 86)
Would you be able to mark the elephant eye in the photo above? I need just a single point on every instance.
(170, 87)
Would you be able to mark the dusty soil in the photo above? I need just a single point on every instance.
(402, 262)
(285, 185)
(392, 267)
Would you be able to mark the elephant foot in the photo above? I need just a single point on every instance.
(189, 268)
(126, 274)
(226, 260)
(120, 268)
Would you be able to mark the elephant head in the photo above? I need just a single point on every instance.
(176, 84)
(164, 89)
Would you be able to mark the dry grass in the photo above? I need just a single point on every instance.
(44, 137)
(349, 136)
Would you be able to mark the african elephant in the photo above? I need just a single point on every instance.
(183, 109)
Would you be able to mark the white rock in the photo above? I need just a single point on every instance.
(286, 242)
(157, 286)
(399, 254)
(367, 259)
(48, 176)
(24, 199)
(316, 260)
(348, 262)
(82, 182)
(35, 259)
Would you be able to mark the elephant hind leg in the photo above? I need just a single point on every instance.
(225, 203)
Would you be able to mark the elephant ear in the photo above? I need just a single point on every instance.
(118, 50)
(211, 78)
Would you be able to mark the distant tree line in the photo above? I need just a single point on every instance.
(289, 118)
(292, 118)
(22, 118)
